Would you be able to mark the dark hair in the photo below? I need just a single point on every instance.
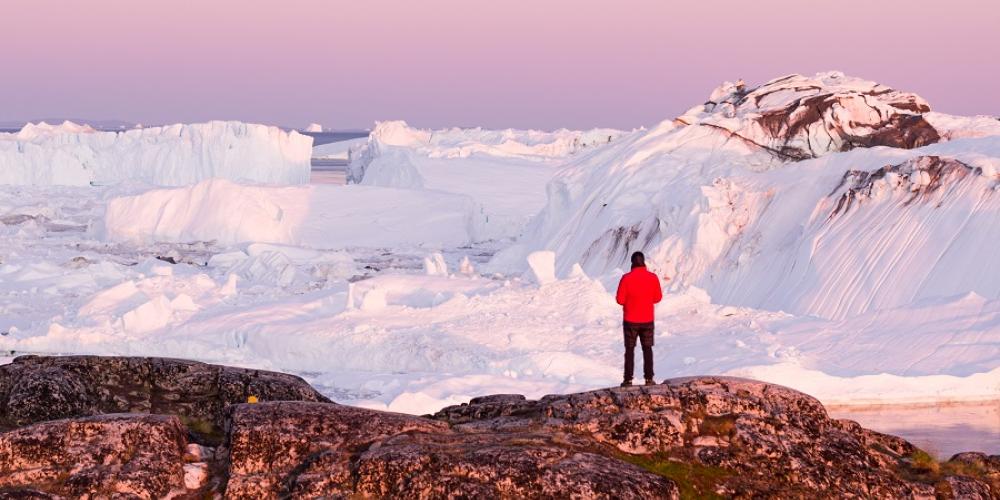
(638, 260)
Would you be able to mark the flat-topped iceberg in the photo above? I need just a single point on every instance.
(173, 155)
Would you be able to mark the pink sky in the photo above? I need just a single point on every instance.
(541, 63)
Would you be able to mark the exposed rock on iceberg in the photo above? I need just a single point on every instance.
(798, 117)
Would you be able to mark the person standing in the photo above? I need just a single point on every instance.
(638, 291)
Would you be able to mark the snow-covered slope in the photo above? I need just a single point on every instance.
(71, 154)
(839, 234)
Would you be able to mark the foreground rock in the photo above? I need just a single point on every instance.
(316, 450)
(692, 438)
(725, 436)
(96, 457)
(36, 389)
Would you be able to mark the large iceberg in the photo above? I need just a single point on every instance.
(776, 198)
(174, 155)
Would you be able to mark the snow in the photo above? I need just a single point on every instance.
(963, 127)
(470, 262)
(316, 216)
(77, 155)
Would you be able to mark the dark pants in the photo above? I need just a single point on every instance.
(644, 332)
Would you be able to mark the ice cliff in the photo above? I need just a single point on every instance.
(173, 155)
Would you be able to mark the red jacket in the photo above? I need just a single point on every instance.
(637, 292)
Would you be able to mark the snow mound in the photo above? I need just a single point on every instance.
(174, 155)
(798, 117)
(317, 216)
(31, 131)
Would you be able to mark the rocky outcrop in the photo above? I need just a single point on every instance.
(798, 117)
(919, 177)
(691, 438)
(124, 456)
(35, 389)
(744, 437)
(315, 450)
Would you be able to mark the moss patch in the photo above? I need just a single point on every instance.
(694, 480)
(724, 425)
(923, 467)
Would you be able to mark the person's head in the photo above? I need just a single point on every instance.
(638, 260)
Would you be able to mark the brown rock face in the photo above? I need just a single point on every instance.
(799, 117)
(36, 389)
(123, 456)
(790, 127)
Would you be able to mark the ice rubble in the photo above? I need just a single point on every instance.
(503, 171)
(174, 155)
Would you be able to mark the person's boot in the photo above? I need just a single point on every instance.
(650, 381)
(627, 383)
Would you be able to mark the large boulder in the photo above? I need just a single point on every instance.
(106, 456)
(35, 389)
